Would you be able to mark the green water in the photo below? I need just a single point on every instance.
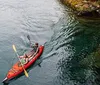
(67, 40)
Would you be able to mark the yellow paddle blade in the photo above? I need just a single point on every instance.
(26, 74)
(14, 48)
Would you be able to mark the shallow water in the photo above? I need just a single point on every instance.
(67, 41)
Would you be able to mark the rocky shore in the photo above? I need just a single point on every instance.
(84, 7)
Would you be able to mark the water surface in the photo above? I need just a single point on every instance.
(67, 41)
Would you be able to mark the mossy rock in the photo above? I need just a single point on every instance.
(92, 60)
(83, 7)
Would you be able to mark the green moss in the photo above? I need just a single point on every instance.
(82, 5)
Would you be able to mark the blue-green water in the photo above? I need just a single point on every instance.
(67, 40)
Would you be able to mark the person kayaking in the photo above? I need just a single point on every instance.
(24, 59)
(35, 47)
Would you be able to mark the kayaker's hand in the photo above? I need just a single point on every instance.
(21, 57)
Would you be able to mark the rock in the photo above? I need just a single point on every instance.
(84, 7)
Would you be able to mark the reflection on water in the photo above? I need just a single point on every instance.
(84, 39)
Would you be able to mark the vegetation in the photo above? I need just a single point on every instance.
(84, 6)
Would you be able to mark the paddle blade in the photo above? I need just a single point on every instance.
(26, 74)
(14, 48)
(28, 37)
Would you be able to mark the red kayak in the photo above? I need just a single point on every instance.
(17, 69)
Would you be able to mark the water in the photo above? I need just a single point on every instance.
(67, 40)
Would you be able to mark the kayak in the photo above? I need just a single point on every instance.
(17, 69)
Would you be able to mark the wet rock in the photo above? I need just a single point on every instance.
(84, 7)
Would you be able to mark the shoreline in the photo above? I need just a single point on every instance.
(84, 7)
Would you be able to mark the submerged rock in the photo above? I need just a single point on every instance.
(92, 60)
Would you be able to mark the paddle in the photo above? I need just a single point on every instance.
(14, 48)
(28, 37)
